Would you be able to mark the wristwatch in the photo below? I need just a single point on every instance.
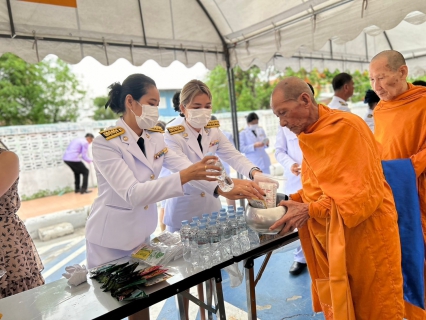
(254, 169)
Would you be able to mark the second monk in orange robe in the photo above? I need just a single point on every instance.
(400, 127)
(345, 212)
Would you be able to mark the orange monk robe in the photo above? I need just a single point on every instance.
(352, 235)
(400, 129)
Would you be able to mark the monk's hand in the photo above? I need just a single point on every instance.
(243, 189)
(296, 216)
(295, 169)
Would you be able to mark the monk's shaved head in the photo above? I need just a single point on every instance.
(394, 58)
(388, 74)
(292, 88)
(292, 101)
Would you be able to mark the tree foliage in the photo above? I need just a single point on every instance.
(100, 112)
(46, 92)
(253, 88)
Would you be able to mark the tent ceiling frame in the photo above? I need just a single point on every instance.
(143, 26)
(116, 44)
(273, 26)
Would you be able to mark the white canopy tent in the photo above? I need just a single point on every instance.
(343, 34)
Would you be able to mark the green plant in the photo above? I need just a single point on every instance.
(47, 193)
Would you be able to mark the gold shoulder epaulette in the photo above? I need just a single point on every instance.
(176, 129)
(213, 124)
(156, 129)
(112, 133)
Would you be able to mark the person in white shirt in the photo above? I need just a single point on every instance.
(372, 99)
(343, 87)
(253, 142)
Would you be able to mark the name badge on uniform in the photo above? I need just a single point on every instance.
(214, 143)
(161, 153)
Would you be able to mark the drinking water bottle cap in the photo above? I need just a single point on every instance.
(212, 222)
(209, 154)
(215, 213)
(193, 224)
(203, 221)
(184, 222)
(231, 216)
(195, 218)
(206, 215)
(222, 210)
(222, 219)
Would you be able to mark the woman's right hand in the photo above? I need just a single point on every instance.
(259, 144)
(198, 171)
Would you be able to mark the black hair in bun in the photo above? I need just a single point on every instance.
(136, 85)
(114, 97)
(176, 103)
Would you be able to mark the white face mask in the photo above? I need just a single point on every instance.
(253, 126)
(148, 118)
(198, 118)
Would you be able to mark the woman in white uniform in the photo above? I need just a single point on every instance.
(192, 139)
(128, 159)
(253, 141)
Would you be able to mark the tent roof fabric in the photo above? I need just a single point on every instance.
(342, 34)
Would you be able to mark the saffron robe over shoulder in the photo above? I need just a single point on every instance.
(400, 129)
(351, 241)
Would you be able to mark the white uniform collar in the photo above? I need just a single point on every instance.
(339, 101)
(129, 130)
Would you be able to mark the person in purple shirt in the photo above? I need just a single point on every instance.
(77, 150)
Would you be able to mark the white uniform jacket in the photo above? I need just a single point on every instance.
(287, 153)
(369, 119)
(231, 139)
(195, 202)
(125, 213)
(256, 155)
(339, 103)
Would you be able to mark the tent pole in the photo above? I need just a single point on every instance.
(12, 25)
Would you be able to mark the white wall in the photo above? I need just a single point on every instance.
(40, 148)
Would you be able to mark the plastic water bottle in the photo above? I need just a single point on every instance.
(225, 233)
(203, 221)
(231, 207)
(235, 243)
(214, 235)
(224, 181)
(184, 238)
(193, 244)
(214, 214)
(203, 246)
(223, 214)
(196, 220)
(222, 210)
(240, 209)
(243, 232)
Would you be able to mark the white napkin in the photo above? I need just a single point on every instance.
(76, 274)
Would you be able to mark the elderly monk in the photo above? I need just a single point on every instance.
(400, 127)
(345, 212)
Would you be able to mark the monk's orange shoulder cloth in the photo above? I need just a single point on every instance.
(351, 242)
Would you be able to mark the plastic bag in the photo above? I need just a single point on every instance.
(263, 177)
(235, 274)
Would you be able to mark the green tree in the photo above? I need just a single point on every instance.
(252, 93)
(101, 113)
(46, 92)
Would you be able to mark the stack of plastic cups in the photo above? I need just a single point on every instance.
(235, 243)
(193, 243)
(203, 247)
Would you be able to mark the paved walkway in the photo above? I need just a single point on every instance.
(52, 204)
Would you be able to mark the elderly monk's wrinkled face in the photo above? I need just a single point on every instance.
(293, 113)
(387, 83)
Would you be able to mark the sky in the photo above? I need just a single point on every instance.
(95, 77)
